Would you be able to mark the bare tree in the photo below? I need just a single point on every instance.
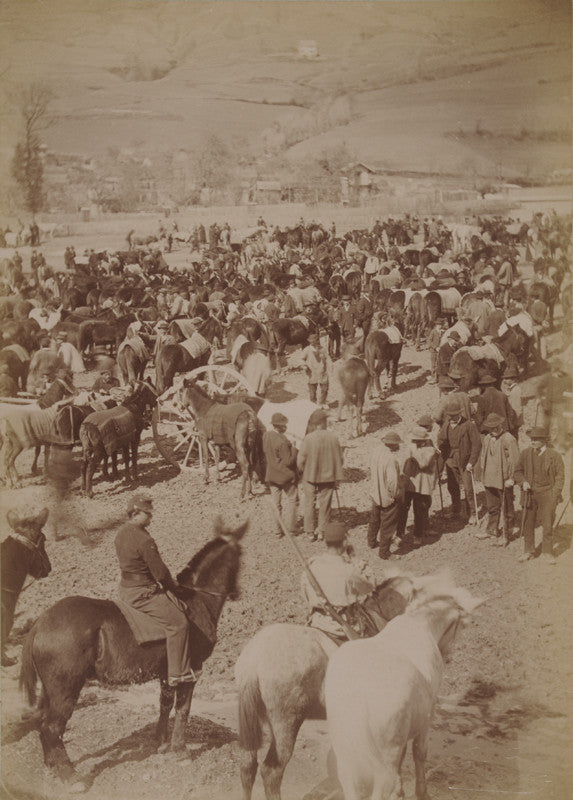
(33, 102)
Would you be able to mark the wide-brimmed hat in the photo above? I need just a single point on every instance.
(279, 419)
(486, 378)
(511, 371)
(538, 433)
(445, 382)
(419, 434)
(425, 421)
(391, 437)
(453, 408)
(334, 532)
(493, 420)
(140, 502)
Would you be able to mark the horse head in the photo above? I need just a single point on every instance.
(214, 569)
(28, 530)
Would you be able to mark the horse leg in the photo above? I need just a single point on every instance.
(359, 408)
(37, 450)
(12, 449)
(419, 751)
(248, 769)
(284, 733)
(58, 708)
(134, 454)
(91, 466)
(125, 455)
(166, 699)
(203, 444)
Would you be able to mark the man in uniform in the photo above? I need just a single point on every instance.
(145, 584)
(342, 578)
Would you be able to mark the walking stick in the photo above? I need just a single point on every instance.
(314, 583)
(524, 506)
(562, 512)
(475, 498)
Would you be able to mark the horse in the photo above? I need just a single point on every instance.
(354, 377)
(104, 433)
(296, 332)
(81, 638)
(175, 357)
(470, 362)
(280, 681)
(235, 425)
(539, 290)
(22, 553)
(415, 318)
(380, 694)
(17, 360)
(132, 359)
(381, 353)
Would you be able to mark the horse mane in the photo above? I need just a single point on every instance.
(189, 572)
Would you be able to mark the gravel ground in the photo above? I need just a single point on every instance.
(503, 723)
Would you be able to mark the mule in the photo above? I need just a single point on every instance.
(381, 353)
(468, 363)
(22, 553)
(354, 376)
(380, 694)
(116, 429)
(82, 638)
(280, 681)
(235, 425)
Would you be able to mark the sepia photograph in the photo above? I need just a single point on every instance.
(286, 399)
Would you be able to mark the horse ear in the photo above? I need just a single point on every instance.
(42, 517)
(239, 532)
(13, 520)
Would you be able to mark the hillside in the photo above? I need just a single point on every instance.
(453, 87)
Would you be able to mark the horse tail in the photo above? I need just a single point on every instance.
(28, 674)
(251, 712)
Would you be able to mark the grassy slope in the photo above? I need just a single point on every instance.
(412, 71)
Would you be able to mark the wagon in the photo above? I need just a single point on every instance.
(174, 429)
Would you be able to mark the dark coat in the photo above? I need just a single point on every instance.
(461, 445)
(494, 401)
(280, 457)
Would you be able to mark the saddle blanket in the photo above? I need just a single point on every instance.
(137, 345)
(393, 334)
(490, 351)
(116, 427)
(305, 321)
(451, 299)
(220, 421)
(197, 345)
(31, 426)
(185, 327)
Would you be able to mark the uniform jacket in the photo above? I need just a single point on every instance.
(320, 457)
(542, 471)
(498, 458)
(280, 457)
(460, 445)
(385, 485)
(139, 559)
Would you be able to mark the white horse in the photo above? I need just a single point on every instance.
(380, 693)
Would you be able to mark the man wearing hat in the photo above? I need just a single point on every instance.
(280, 457)
(421, 476)
(554, 394)
(492, 400)
(498, 458)
(386, 490)
(314, 359)
(460, 444)
(145, 582)
(320, 462)
(346, 320)
(61, 388)
(540, 472)
(451, 396)
(69, 354)
(343, 580)
(107, 379)
(44, 364)
(450, 343)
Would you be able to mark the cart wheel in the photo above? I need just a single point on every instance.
(175, 433)
(221, 379)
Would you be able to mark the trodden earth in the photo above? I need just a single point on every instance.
(502, 727)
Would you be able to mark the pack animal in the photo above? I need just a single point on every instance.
(380, 694)
(82, 638)
(354, 377)
(22, 553)
(280, 681)
(380, 353)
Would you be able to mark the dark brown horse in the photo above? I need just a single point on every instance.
(22, 553)
(174, 357)
(235, 425)
(511, 345)
(104, 433)
(380, 353)
(82, 638)
(295, 332)
(353, 375)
